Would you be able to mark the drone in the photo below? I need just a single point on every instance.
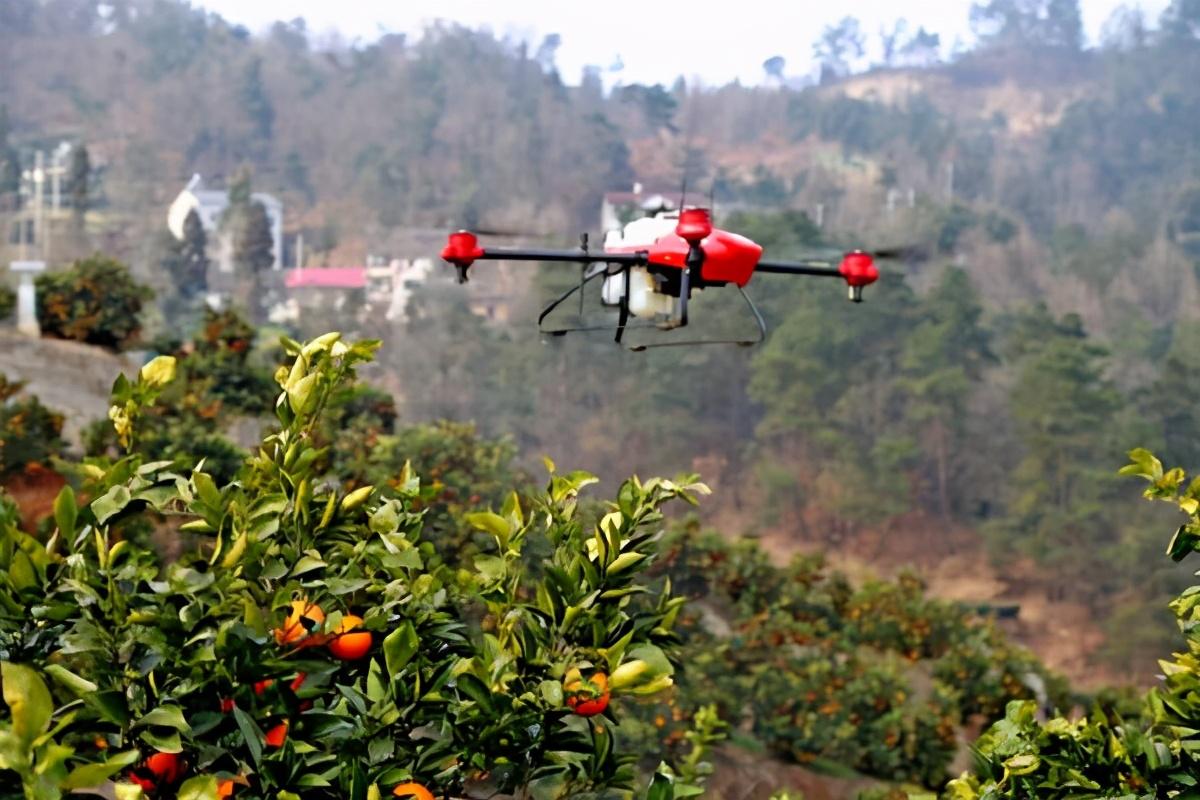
(649, 269)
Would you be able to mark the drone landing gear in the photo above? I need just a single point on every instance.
(678, 319)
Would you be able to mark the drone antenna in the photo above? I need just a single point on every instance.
(683, 192)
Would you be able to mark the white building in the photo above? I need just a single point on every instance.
(210, 205)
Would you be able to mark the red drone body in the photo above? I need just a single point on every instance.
(641, 275)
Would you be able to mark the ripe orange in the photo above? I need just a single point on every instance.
(350, 646)
(305, 617)
(166, 767)
(587, 698)
(277, 735)
(414, 790)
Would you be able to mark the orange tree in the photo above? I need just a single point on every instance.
(879, 678)
(30, 433)
(95, 301)
(1156, 752)
(230, 670)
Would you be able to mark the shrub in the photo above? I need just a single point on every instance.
(878, 678)
(8, 302)
(95, 301)
(30, 433)
(1152, 752)
(227, 667)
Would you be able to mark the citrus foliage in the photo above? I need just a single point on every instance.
(95, 301)
(216, 381)
(30, 433)
(231, 657)
(879, 678)
(1154, 755)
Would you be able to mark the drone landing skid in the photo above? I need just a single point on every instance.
(623, 319)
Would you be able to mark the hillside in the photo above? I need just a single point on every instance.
(974, 410)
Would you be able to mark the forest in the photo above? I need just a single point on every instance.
(887, 480)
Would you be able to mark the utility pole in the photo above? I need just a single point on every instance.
(58, 168)
(39, 197)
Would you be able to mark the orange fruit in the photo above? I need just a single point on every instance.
(277, 735)
(414, 790)
(587, 698)
(348, 645)
(166, 767)
(225, 789)
(305, 617)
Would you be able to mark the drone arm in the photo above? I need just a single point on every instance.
(462, 250)
(856, 268)
(819, 268)
(560, 256)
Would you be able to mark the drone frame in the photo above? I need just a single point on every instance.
(694, 227)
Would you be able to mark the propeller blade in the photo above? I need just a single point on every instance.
(909, 252)
(507, 233)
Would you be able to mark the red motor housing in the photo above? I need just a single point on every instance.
(694, 225)
(462, 249)
(858, 268)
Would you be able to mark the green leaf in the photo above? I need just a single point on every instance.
(251, 733)
(552, 693)
(167, 717)
(200, 787)
(111, 706)
(206, 489)
(301, 393)
(1144, 465)
(168, 743)
(1022, 764)
(490, 522)
(80, 686)
(88, 776)
(660, 788)
(490, 568)
(399, 647)
(66, 511)
(28, 700)
(110, 504)
(307, 564)
(1182, 543)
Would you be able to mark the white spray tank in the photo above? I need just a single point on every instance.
(644, 298)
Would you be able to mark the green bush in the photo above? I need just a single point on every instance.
(8, 302)
(465, 677)
(1149, 752)
(878, 678)
(96, 301)
(30, 433)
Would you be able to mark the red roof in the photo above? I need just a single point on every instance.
(327, 278)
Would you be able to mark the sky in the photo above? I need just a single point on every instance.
(651, 42)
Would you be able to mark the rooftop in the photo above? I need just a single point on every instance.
(327, 278)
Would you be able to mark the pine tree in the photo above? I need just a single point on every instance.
(81, 168)
(943, 360)
(193, 257)
(239, 193)
(254, 245)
